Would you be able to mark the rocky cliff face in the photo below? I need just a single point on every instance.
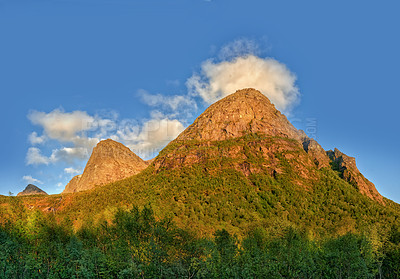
(31, 190)
(346, 165)
(255, 137)
(110, 161)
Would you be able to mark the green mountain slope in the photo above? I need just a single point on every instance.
(239, 166)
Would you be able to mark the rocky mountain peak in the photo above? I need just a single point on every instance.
(256, 129)
(110, 161)
(245, 111)
(31, 190)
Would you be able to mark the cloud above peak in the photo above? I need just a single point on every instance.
(30, 180)
(172, 102)
(219, 79)
(239, 48)
(61, 125)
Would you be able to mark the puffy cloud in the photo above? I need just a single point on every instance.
(35, 139)
(66, 128)
(219, 79)
(30, 180)
(60, 125)
(72, 171)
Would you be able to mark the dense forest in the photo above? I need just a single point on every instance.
(135, 244)
(210, 219)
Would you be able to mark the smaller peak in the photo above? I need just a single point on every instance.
(110, 161)
(31, 189)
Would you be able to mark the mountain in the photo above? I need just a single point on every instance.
(276, 142)
(31, 190)
(241, 165)
(110, 161)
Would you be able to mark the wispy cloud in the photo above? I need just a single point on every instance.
(72, 171)
(35, 157)
(30, 180)
(239, 48)
(35, 139)
(173, 102)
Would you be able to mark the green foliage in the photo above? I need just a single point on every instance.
(136, 244)
(259, 224)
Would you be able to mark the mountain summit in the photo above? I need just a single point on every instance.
(110, 161)
(246, 111)
(31, 190)
(244, 131)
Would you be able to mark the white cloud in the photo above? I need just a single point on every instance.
(30, 180)
(72, 171)
(69, 128)
(173, 102)
(35, 157)
(35, 139)
(76, 140)
(70, 154)
(60, 125)
(271, 77)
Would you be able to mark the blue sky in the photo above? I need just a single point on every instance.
(73, 72)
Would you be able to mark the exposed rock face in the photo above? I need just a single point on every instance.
(245, 126)
(31, 190)
(246, 111)
(346, 165)
(316, 152)
(110, 161)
